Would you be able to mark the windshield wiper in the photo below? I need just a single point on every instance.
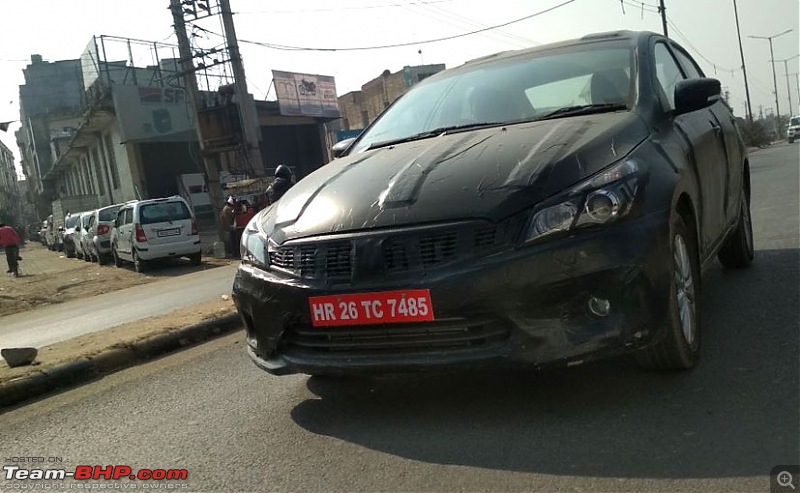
(431, 133)
(584, 109)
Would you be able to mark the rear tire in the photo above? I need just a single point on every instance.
(679, 347)
(196, 258)
(738, 251)
(138, 264)
(101, 260)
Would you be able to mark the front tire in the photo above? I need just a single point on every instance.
(738, 251)
(679, 347)
(117, 260)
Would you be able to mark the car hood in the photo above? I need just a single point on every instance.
(488, 173)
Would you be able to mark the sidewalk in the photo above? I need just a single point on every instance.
(55, 323)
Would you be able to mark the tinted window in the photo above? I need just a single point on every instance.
(668, 73)
(690, 68)
(108, 214)
(85, 221)
(508, 90)
(71, 221)
(163, 212)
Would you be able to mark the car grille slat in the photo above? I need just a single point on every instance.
(283, 258)
(414, 337)
(437, 249)
(485, 237)
(308, 261)
(339, 260)
(396, 257)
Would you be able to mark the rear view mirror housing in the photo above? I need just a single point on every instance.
(696, 94)
(340, 148)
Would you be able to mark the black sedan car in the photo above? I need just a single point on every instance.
(541, 207)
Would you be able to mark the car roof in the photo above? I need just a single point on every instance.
(173, 198)
(633, 38)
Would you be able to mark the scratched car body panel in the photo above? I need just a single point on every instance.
(522, 209)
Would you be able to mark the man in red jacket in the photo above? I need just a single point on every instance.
(9, 240)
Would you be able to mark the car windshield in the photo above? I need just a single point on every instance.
(71, 221)
(109, 214)
(517, 89)
(164, 212)
(795, 121)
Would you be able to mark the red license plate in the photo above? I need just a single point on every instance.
(388, 307)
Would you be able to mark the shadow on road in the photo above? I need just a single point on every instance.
(736, 414)
(173, 267)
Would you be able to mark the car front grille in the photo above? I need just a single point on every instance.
(410, 251)
(447, 334)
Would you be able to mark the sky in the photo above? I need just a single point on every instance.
(61, 29)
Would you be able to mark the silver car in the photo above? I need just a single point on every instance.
(98, 239)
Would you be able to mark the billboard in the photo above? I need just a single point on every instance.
(152, 113)
(306, 94)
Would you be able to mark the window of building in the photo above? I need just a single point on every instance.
(98, 172)
(112, 161)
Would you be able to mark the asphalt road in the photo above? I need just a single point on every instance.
(607, 426)
(55, 323)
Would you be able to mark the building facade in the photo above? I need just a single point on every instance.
(10, 201)
(360, 108)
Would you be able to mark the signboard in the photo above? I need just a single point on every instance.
(152, 113)
(306, 94)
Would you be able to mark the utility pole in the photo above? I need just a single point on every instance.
(190, 81)
(744, 69)
(788, 86)
(247, 110)
(663, 11)
(774, 75)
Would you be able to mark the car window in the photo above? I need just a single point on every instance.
(163, 211)
(689, 66)
(108, 214)
(794, 121)
(129, 216)
(508, 90)
(71, 221)
(91, 221)
(85, 221)
(668, 73)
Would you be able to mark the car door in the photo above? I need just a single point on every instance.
(702, 130)
(123, 233)
(730, 140)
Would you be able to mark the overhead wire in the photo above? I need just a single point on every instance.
(278, 46)
(338, 9)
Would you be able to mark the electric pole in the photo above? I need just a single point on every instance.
(774, 75)
(744, 69)
(190, 81)
(663, 11)
(788, 85)
(251, 129)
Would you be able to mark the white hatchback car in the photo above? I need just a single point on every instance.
(155, 229)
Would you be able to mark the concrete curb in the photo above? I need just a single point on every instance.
(113, 359)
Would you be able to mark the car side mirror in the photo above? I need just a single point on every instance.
(340, 148)
(696, 94)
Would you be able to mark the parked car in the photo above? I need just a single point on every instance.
(67, 234)
(98, 239)
(793, 130)
(80, 235)
(154, 229)
(43, 233)
(541, 207)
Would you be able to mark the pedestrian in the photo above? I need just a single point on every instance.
(226, 219)
(9, 240)
(282, 183)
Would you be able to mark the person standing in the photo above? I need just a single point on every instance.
(9, 240)
(226, 219)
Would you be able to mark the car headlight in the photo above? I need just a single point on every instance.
(599, 200)
(253, 248)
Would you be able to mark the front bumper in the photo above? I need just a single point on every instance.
(528, 306)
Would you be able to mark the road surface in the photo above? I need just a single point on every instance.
(607, 426)
(55, 323)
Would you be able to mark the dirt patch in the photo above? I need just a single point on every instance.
(118, 337)
(49, 278)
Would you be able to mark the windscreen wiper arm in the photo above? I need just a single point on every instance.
(431, 133)
(584, 109)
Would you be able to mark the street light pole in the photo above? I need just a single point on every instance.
(744, 69)
(788, 86)
(774, 75)
(663, 10)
